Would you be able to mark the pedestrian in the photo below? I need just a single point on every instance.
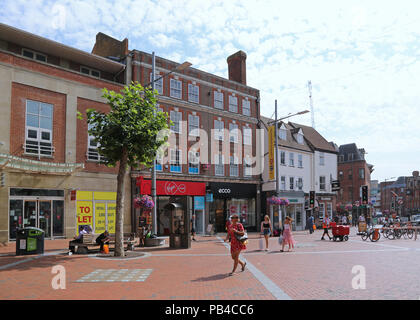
(227, 226)
(344, 220)
(287, 234)
(325, 226)
(266, 230)
(311, 224)
(103, 239)
(78, 239)
(236, 246)
(192, 228)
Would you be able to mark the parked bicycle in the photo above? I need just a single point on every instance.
(372, 233)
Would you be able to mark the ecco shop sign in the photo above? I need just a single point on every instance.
(225, 191)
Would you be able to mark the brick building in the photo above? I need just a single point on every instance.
(52, 177)
(212, 141)
(353, 173)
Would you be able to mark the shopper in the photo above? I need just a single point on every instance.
(325, 226)
(311, 224)
(287, 234)
(236, 228)
(266, 230)
(192, 228)
(103, 239)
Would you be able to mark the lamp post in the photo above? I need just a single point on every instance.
(180, 67)
(276, 144)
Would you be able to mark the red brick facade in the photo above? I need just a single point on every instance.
(350, 181)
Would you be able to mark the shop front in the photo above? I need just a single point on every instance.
(233, 198)
(189, 197)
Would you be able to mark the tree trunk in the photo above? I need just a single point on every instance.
(119, 214)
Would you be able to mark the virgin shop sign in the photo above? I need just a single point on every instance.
(172, 188)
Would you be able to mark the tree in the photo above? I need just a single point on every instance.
(129, 135)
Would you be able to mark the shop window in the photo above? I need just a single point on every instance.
(218, 100)
(158, 83)
(193, 93)
(176, 89)
(39, 125)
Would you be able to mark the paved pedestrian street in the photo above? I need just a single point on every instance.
(314, 270)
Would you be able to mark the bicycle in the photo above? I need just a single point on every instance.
(370, 233)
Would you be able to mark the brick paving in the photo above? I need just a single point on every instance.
(314, 270)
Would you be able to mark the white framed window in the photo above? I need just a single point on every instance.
(34, 55)
(176, 118)
(38, 128)
(322, 210)
(246, 107)
(233, 132)
(299, 184)
(329, 209)
(283, 183)
(283, 158)
(300, 138)
(233, 104)
(193, 93)
(282, 132)
(219, 127)
(193, 125)
(90, 72)
(193, 162)
(321, 159)
(322, 184)
(218, 100)
(300, 161)
(291, 159)
(247, 166)
(176, 88)
(158, 83)
(291, 183)
(247, 136)
(93, 154)
(219, 165)
(234, 167)
(175, 161)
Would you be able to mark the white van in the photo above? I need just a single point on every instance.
(415, 219)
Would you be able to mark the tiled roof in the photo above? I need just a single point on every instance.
(317, 141)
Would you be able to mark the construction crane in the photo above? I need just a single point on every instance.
(311, 103)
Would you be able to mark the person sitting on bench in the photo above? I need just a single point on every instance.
(102, 239)
(78, 239)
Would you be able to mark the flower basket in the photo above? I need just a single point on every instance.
(144, 202)
(278, 201)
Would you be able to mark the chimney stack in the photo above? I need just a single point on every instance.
(237, 67)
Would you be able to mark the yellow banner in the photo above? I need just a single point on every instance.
(271, 142)
(84, 214)
(112, 196)
(111, 217)
(100, 217)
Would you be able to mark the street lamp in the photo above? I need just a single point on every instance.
(179, 68)
(276, 145)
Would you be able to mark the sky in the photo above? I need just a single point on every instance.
(362, 57)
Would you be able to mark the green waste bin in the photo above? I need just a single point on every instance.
(29, 240)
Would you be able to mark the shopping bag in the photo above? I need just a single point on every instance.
(314, 226)
(280, 239)
(261, 243)
(106, 249)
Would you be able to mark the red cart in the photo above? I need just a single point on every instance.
(340, 232)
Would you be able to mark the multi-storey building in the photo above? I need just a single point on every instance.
(412, 203)
(375, 195)
(212, 142)
(53, 178)
(353, 172)
(306, 162)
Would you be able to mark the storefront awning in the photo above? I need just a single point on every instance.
(8, 161)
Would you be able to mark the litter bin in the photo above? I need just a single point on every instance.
(29, 240)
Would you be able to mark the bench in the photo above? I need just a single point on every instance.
(154, 242)
(89, 241)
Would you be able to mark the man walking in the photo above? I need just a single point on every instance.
(311, 224)
(325, 226)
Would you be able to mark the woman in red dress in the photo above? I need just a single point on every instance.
(235, 245)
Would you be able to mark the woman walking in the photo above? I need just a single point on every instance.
(287, 234)
(236, 246)
(266, 230)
